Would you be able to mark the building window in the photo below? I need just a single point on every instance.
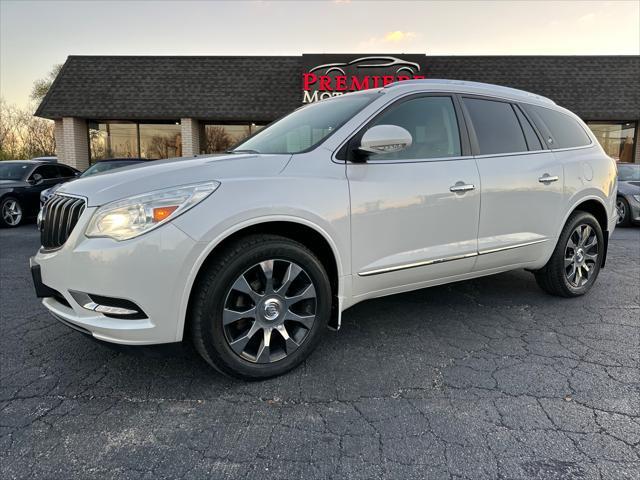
(134, 140)
(617, 139)
(216, 138)
(160, 141)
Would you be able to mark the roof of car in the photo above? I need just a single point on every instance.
(478, 88)
(125, 159)
(30, 161)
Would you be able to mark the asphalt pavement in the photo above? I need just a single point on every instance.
(489, 378)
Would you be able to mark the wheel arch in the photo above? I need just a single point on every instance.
(596, 207)
(298, 229)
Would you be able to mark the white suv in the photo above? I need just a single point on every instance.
(254, 253)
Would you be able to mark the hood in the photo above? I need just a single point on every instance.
(146, 177)
(629, 188)
(12, 183)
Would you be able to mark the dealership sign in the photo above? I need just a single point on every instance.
(325, 76)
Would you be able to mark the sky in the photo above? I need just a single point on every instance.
(35, 35)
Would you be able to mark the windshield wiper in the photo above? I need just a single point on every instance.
(241, 151)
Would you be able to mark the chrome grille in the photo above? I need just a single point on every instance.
(59, 216)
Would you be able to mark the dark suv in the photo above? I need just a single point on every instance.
(21, 182)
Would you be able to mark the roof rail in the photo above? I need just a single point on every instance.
(490, 88)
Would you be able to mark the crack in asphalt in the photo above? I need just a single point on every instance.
(489, 378)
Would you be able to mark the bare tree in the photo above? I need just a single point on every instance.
(217, 139)
(42, 85)
(24, 136)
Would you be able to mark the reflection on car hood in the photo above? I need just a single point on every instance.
(146, 177)
(12, 183)
(629, 188)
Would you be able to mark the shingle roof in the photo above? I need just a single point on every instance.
(153, 87)
(263, 88)
(593, 87)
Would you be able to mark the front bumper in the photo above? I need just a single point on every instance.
(151, 271)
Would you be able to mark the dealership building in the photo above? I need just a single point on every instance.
(180, 106)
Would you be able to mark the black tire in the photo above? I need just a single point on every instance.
(553, 277)
(626, 218)
(211, 295)
(3, 204)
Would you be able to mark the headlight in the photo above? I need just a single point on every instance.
(637, 197)
(133, 216)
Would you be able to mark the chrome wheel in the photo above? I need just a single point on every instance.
(269, 311)
(621, 209)
(581, 255)
(11, 212)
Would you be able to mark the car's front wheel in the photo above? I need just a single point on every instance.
(622, 209)
(11, 213)
(575, 263)
(260, 307)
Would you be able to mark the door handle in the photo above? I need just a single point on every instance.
(547, 179)
(461, 187)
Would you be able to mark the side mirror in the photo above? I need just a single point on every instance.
(36, 179)
(385, 139)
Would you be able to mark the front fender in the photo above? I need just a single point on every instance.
(210, 245)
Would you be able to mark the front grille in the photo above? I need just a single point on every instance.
(59, 217)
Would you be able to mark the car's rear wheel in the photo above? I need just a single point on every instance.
(575, 263)
(260, 307)
(11, 213)
(623, 211)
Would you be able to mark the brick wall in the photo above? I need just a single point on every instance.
(74, 148)
(190, 137)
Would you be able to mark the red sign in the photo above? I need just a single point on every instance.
(337, 78)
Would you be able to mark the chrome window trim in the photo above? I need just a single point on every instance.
(425, 263)
(574, 148)
(511, 154)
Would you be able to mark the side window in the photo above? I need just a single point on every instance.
(432, 123)
(65, 172)
(533, 142)
(565, 131)
(496, 126)
(47, 171)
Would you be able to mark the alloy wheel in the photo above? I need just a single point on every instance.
(581, 255)
(621, 210)
(11, 212)
(269, 311)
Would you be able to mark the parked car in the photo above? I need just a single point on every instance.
(254, 253)
(98, 167)
(628, 200)
(21, 182)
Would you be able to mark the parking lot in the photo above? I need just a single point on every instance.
(489, 378)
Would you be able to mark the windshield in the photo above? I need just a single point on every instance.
(105, 166)
(13, 171)
(628, 173)
(306, 127)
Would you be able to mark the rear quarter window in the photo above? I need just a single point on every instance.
(565, 131)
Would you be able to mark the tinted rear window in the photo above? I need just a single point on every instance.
(565, 131)
(496, 126)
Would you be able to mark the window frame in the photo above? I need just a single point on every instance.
(347, 151)
(473, 138)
